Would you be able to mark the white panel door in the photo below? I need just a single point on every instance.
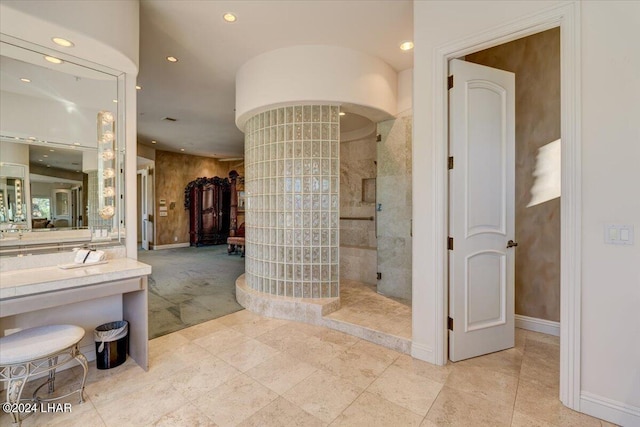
(481, 210)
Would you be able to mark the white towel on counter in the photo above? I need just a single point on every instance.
(89, 256)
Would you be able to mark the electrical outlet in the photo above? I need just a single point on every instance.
(175, 238)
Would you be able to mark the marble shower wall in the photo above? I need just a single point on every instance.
(536, 62)
(358, 259)
(173, 172)
(394, 206)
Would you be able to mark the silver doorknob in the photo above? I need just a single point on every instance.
(511, 244)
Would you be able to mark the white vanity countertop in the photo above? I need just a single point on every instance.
(18, 283)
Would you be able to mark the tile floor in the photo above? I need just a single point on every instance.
(248, 370)
(360, 304)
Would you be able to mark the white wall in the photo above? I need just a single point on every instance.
(405, 88)
(610, 68)
(611, 174)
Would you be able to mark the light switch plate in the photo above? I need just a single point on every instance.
(617, 234)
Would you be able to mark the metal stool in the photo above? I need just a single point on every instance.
(35, 351)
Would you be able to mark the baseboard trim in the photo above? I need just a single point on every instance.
(172, 246)
(537, 325)
(422, 352)
(609, 410)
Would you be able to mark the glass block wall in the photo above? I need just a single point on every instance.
(292, 166)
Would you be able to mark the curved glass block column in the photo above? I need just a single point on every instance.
(292, 168)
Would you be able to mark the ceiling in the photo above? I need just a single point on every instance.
(199, 90)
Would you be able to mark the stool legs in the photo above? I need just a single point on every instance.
(234, 248)
(14, 391)
(18, 375)
(52, 374)
(85, 367)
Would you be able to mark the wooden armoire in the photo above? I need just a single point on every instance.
(209, 203)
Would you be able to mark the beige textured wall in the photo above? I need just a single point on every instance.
(536, 62)
(173, 172)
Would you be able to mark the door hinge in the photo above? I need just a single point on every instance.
(450, 243)
(379, 276)
(450, 162)
(378, 138)
(450, 82)
(450, 323)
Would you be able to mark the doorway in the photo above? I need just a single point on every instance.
(534, 255)
(564, 17)
(76, 207)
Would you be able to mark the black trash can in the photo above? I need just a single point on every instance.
(112, 344)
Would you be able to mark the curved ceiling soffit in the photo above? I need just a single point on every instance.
(39, 30)
(316, 74)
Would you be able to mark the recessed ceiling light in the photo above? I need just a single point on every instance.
(342, 113)
(229, 17)
(115, 101)
(53, 59)
(51, 150)
(182, 149)
(172, 59)
(24, 79)
(45, 155)
(76, 143)
(153, 142)
(138, 87)
(62, 42)
(48, 166)
(39, 160)
(408, 45)
(32, 138)
(77, 171)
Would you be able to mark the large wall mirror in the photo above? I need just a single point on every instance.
(61, 150)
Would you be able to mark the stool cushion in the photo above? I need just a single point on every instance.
(235, 240)
(36, 343)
